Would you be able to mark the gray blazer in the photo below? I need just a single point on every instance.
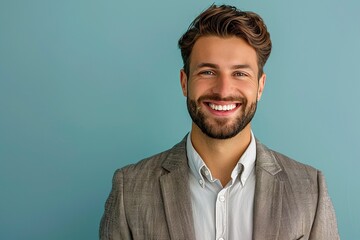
(151, 200)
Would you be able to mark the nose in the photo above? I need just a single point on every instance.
(222, 85)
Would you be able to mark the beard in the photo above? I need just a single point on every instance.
(221, 128)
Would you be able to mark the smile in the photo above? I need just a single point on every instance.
(227, 107)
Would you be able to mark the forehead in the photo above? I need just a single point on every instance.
(223, 51)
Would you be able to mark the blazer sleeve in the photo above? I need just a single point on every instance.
(113, 224)
(324, 225)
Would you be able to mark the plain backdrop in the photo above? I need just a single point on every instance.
(88, 86)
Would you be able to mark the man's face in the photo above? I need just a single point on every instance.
(223, 86)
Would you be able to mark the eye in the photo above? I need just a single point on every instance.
(207, 72)
(240, 74)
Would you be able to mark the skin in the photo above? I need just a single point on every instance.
(225, 67)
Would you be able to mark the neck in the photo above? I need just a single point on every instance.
(221, 155)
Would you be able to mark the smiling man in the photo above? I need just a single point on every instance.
(220, 182)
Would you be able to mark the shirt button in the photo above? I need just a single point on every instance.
(206, 172)
(221, 198)
(201, 182)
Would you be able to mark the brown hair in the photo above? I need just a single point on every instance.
(226, 21)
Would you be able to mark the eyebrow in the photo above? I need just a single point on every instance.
(215, 66)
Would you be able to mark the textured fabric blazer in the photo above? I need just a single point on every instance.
(151, 200)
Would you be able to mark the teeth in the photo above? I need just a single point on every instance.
(222, 107)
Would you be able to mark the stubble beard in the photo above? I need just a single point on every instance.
(221, 128)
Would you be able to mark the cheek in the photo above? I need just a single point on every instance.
(253, 92)
(196, 90)
(248, 89)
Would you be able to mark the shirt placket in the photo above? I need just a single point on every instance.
(221, 214)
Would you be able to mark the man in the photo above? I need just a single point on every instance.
(219, 182)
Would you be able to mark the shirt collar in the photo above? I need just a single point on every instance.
(243, 168)
(195, 161)
(247, 160)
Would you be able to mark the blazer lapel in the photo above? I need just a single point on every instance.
(176, 195)
(268, 195)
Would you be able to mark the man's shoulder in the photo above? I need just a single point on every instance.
(289, 165)
(158, 162)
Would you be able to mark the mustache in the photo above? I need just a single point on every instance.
(217, 97)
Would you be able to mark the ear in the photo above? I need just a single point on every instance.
(183, 82)
(261, 86)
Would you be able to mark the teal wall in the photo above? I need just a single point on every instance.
(87, 86)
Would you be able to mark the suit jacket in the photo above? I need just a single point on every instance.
(151, 200)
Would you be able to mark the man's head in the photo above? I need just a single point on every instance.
(224, 51)
(227, 21)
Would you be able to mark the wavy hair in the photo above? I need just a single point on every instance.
(227, 21)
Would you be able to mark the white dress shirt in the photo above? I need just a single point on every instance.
(222, 213)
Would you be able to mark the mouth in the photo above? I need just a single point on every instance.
(218, 107)
(222, 108)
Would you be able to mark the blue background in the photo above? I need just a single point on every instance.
(89, 86)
